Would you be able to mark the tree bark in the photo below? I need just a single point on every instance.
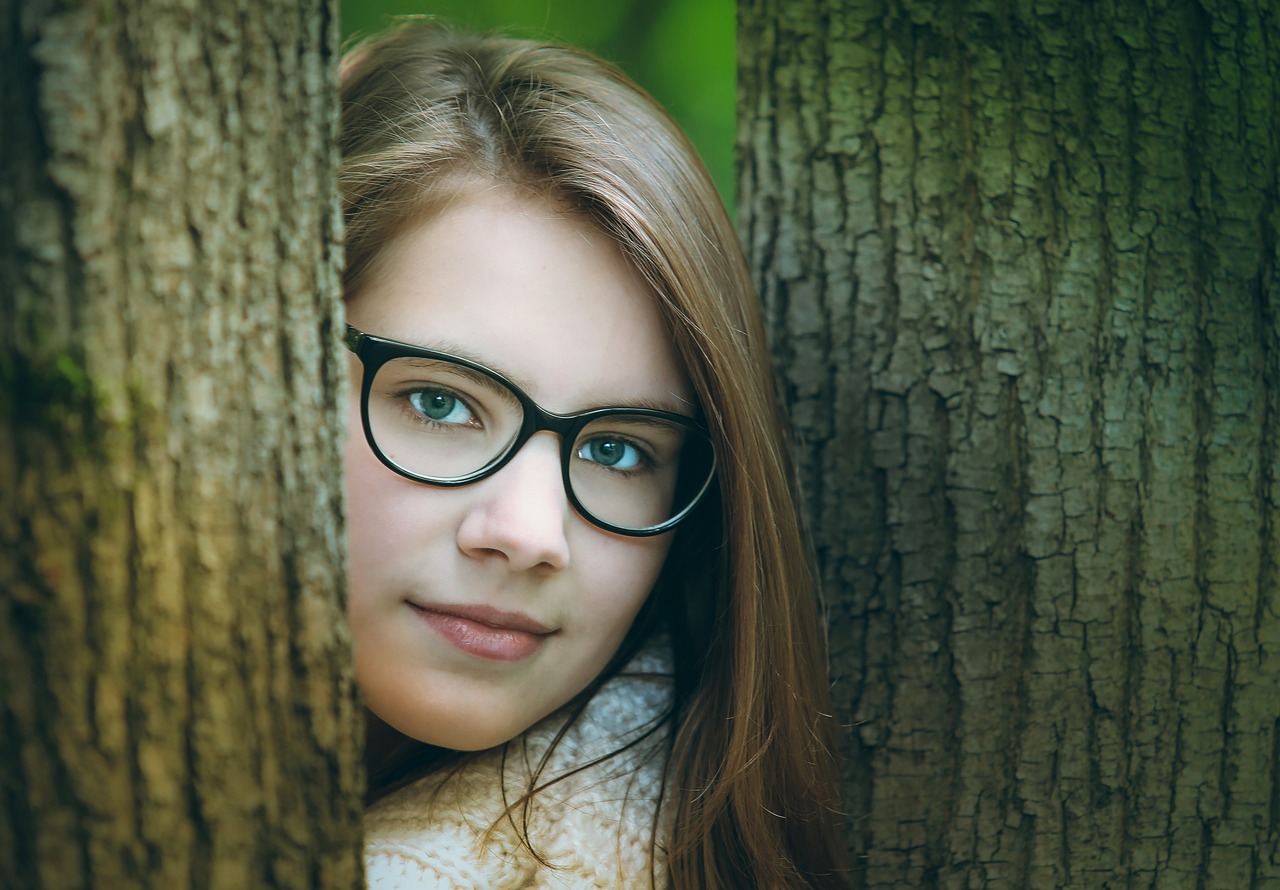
(177, 706)
(1020, 265)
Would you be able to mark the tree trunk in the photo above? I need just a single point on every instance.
(177, 705)
(1020, 264)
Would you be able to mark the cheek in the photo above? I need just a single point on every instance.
(654, 558)
(362, 481)
(394, 526)
(376, 529)
(622, 574)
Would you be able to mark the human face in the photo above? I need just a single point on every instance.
(479, 610)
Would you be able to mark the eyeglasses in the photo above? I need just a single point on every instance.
(442, 420)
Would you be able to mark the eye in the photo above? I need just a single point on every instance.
(441, 406)
(616, 454)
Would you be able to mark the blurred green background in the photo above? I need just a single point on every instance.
(681, 51)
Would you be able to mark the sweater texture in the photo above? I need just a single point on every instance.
(594, 827)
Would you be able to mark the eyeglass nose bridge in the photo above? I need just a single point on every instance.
(536, 420)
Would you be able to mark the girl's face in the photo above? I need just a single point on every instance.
(479, 610)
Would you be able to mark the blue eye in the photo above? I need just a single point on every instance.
(616, 454)
(441, 406)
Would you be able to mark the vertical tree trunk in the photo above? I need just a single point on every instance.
(176, 706)
(1020, 261)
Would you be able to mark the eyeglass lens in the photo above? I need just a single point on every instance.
(444, 421)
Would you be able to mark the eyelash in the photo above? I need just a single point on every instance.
(647, 463)
(402, 396)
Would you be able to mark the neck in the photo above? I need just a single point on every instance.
(393, 759)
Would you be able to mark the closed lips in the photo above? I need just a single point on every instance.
(487, 616)
(485, 633)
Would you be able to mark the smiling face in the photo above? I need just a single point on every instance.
(479, 610)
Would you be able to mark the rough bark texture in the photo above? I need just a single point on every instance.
(176, 704)
(1020, 262)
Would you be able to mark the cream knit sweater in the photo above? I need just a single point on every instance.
(593, 827)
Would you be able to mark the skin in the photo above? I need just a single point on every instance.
(543, 297)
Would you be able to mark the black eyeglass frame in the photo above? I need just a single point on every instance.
(374, 352)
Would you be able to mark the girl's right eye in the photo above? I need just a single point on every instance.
(442, 406)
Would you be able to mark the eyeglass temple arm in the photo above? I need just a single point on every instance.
(354, 338)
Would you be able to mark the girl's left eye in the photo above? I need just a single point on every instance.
(441, 406)
(616, 454)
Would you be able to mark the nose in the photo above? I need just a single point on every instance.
(521, 513)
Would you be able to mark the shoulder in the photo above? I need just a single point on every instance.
(627, 712)
(592, 819)
(601, 814)
(432, 834)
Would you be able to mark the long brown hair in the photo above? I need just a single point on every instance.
(429, 115)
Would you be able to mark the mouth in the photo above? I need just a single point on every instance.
(485, 632)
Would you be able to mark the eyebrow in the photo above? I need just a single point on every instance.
(477, 377)
(672, 404)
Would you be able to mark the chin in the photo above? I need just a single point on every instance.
(469, 738)
(471, 742)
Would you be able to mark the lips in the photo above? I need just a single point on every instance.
(485, 632)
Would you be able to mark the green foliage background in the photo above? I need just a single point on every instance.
(682, 51)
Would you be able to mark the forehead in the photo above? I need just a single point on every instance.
(533, 292)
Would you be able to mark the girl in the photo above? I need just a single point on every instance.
(583, 610)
